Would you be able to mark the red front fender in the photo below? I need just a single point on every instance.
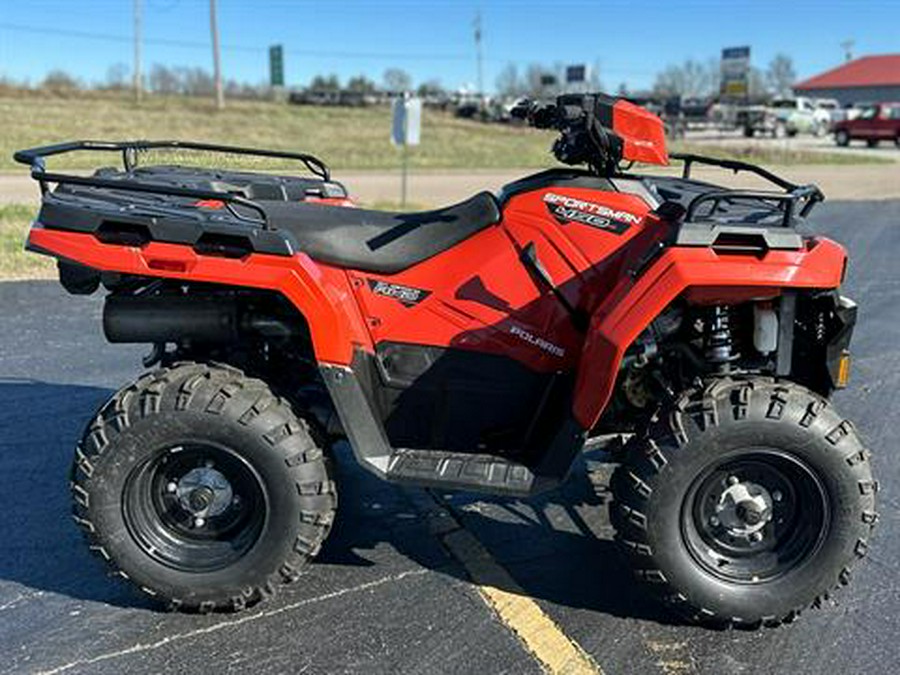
(709, 275)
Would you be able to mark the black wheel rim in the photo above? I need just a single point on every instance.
(755, 516)
(195, 507)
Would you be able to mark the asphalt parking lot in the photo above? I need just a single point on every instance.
(386, 595)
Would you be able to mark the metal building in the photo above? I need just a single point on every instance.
(869, 79)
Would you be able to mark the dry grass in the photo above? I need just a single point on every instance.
(346, 138)
(15, 261)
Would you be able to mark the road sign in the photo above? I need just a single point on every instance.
(276, 66)
(577, 73)
(406, 130)
(406, 121)
(548, 80)
(735, 71)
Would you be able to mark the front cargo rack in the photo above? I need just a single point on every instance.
(131, 150)
(795, 200)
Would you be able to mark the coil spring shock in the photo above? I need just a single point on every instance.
(718, 339)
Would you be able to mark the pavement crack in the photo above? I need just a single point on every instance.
(148, 646)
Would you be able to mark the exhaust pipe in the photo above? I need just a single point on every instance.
(160, 319)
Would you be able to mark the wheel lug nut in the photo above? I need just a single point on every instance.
(776, 496)
(714, 521)
(733, 480)
(171, 487)
(199, 522)
(208, 464)
(756, 537)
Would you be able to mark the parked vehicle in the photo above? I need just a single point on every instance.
(480, 346)
(873, 124)
(829, 112)
(784, 117)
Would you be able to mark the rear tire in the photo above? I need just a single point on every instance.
(842, 138)
(744, 503)
(202, 488)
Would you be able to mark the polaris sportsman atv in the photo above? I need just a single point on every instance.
(479, 346)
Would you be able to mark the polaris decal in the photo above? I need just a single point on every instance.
(571, 210)
(538, 342)
(407, 295)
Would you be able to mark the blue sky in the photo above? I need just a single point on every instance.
(628, 41)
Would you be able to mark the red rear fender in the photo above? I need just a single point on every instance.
(321, 293)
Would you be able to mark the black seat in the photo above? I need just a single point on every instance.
(380, 241)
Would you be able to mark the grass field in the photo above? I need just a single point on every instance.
(346, 138)
(15, 262)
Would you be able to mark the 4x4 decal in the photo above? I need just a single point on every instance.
(407, 295)
(570, 210)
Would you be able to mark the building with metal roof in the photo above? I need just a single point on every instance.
(868, 79)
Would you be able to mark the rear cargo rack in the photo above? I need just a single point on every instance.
(795, 200)
(130, 151)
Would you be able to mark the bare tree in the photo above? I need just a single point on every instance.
(397, 80)
(509, 83)
(59, 80)
(756, 83)
(117, 76)
(690, 79)
(164, 80)
(780, 75)
(541, 81)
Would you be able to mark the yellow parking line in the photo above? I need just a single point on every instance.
(553, 649)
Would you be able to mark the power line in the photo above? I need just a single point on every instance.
(166, 42)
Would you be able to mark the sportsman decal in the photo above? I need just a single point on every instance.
(406, 295)
(570, 210)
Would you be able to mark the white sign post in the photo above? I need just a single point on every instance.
(406, 130)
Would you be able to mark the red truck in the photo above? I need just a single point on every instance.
(878, 122)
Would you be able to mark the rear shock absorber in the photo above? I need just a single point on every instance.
(718, 339)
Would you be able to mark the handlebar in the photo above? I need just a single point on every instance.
(584, 139)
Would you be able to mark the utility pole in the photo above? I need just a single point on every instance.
(847, 46)
(138, 77)
(217, 69)
(478, 54)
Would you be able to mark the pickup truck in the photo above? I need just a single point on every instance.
(878, 122)
(785, 117)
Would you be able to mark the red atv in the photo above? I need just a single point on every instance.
(479, 346)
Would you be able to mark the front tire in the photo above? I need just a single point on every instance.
(202, 488)
(842, 138)
(744, 503)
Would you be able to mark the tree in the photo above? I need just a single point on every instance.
(164, 80)
(117, 76)
(780, 75)
(397, 80)
(430, 87)
(756, 83)
(509, 83)
(361, 84)
(196, 81)
(690, 79)
(329, 83)
(59, 80)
